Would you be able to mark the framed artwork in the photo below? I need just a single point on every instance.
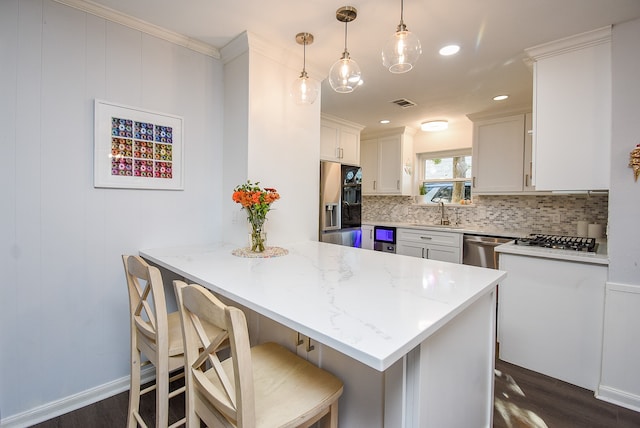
(137, 149)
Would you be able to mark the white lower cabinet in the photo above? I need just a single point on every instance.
(550, 317)
(367, 237)
(428, 244)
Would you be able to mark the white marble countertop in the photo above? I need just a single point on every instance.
(372, 306)
(599, 257)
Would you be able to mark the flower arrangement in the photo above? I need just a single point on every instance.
(257, 203)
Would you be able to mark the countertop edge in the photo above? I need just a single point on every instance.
(564, 255)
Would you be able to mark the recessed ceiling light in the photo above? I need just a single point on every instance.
(434, 125)
(500, 97)
(449, 50)
(385, 121)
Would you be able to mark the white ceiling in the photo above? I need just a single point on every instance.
(492, 33)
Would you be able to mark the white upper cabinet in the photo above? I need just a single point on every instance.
(339, 140)
(572, 112)
(387, 162)
(502, 153)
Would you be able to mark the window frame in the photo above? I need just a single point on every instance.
(422, 157)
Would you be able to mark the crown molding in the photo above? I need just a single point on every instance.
(143, 26)
(572, 43)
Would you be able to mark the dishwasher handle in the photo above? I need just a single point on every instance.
(479, 250)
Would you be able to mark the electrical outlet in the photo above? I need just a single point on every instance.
(555, 218)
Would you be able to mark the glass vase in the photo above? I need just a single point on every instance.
(257, 240)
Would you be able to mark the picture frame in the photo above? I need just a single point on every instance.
(136, 148)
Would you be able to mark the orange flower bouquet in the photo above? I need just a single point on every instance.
(257, 203)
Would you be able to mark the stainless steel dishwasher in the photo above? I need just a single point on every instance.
(478, 250)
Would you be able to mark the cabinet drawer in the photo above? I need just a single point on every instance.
(450, 239)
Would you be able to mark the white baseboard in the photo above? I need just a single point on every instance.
(617, 397)
(73, 402)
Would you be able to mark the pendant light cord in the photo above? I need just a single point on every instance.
(304, 54)
(401, 26)
(346, 53)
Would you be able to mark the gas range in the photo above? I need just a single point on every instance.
(559, 242)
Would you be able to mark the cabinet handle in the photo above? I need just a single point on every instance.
(374, 184)
(422, 255)
(310, 347)
(474, 182)
(426, 237)
(526, 180)
(341, 152)
(299, 341)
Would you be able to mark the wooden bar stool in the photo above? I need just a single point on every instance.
(264, 386)
(156, 334)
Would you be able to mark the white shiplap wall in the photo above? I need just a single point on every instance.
(63, 301)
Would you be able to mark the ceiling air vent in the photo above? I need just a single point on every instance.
(404, 103)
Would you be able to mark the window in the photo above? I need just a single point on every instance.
(446, 176)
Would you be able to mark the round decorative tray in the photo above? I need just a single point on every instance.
(267, 253)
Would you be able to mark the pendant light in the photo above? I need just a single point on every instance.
(344, 75)
(304, 90)
(403, 48)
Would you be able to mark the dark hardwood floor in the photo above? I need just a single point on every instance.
(522, 399)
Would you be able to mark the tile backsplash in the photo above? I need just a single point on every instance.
(553, 214)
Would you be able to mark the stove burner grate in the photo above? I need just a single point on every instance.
(559, 242)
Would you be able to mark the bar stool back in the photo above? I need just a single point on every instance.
(154, 333)
(264, 386)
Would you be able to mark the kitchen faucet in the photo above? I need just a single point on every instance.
(444, 220)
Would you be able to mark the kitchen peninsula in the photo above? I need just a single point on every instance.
(412, 339)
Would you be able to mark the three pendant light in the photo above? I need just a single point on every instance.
(399, 55)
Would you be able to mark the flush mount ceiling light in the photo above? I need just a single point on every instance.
(434, 125)
(500, 97)
(304, 90)
(403, 48)
(449, 50)
(345, 75)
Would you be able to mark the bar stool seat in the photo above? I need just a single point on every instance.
(264, 386)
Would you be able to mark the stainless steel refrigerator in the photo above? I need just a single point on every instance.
(340, 204)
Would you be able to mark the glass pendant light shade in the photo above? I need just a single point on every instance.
(304, 89)
(344, 75)
(402, 50)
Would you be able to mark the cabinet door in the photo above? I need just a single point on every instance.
(329, 136)
(369, 163)
(350, 146)
(498, 155)
(389, 165)
(528, 185)
(367, 237)
(410, 249)
(573, 119)
(444, 254)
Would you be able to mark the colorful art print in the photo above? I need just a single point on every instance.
(135, 148)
